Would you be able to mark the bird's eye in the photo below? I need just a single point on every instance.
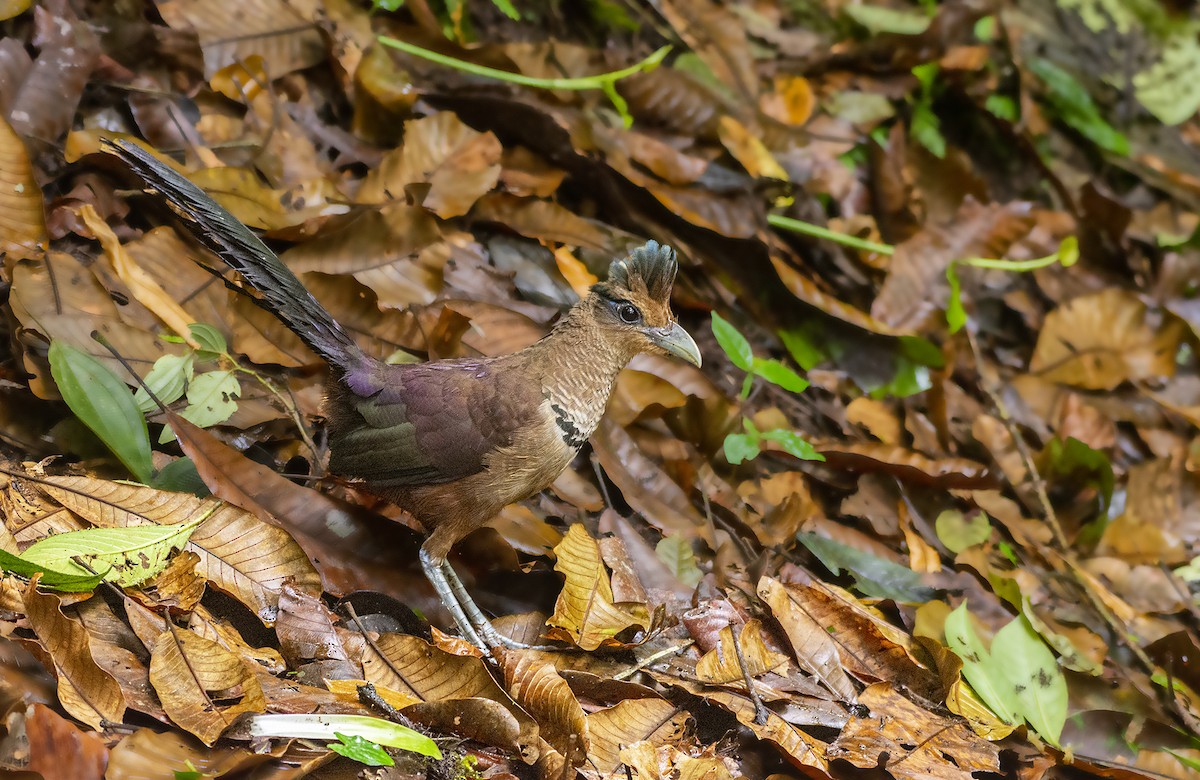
(629, 313)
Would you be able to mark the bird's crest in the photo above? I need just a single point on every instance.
(648, 271)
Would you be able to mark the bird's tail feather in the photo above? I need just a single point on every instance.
(218, 230)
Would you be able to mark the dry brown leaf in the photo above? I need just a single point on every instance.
(202, 686)
(1099, 341)
(306, 632)
(239, 553)
(543, 220)
(243, 194)
(22, 218)
(385, 249)
(145, 289)
(539, 689)
(906, 464)
(146, 753)
(450, 688)
(630, 721)
(645, 485)
(171, 263)
(877, 417)
(718, 37)
(918, 743)
(456, 165)
(585, 610)
(815, 650)
(915, 291)
(60, 750)
(86, 691)
(721, 664)
(179, 585)
(271, 29)
(799, 747)
(207, 625)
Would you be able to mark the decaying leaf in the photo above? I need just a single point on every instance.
(722, 665)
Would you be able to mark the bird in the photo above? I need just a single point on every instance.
(452, 442)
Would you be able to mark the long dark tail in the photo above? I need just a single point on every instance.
(218, 230)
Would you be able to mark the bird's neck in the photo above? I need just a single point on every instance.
(579, 362)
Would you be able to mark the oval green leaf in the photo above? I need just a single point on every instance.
(733, 343)
(130, 555)
(104, 404)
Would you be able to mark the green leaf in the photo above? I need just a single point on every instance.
(168, 380)
(211, 341)
(926, 129)
(984, 675)
(1074, 106)
(511, 12)
(741, 447)
(180, 476)
(364, 751)
(733, 342)
(675, 551)
(958, 533)
(804, 345)
(105, 405)
(956, 315)
(191, 773)
(131, 554)
(210, 398)
(793, 444)
(881, 19)
(873, 576)
(377, 730)
(1074, 459)
(68, 583)
(1036, 680)
(777, 373)
(1002, 106)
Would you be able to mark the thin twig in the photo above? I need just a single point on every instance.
(761, 713)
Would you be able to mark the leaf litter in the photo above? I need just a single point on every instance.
(929, 510)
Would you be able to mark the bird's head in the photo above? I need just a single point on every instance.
(635, 303)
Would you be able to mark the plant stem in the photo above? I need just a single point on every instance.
(809, 229)
(1011, 265)
(584, 82)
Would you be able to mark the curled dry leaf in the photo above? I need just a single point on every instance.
(918, 743)
(630, 721)
(239, 553)
(1098, 341)
(908, 465)
(60, 750)
(44, 105)
(454, 691)
(86, 691)
(459, 165)
(721, 664)
(585, 611)
(202, 686)
(815, 650)
(22, 217)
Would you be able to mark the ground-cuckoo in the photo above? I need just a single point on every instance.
(453, 441)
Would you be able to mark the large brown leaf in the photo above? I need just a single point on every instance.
(271, 29)
(629, 721)
(539, 689)
(815, 650)
(459, 165)
(721, 664)
(586, 610)
(1099, 341)
(86, 691)
(202, 686)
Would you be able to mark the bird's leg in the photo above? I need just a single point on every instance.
(482, 626)
(435, 570)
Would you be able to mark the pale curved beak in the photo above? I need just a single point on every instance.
(676, 341)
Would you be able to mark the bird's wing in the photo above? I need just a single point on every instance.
(427, 424)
